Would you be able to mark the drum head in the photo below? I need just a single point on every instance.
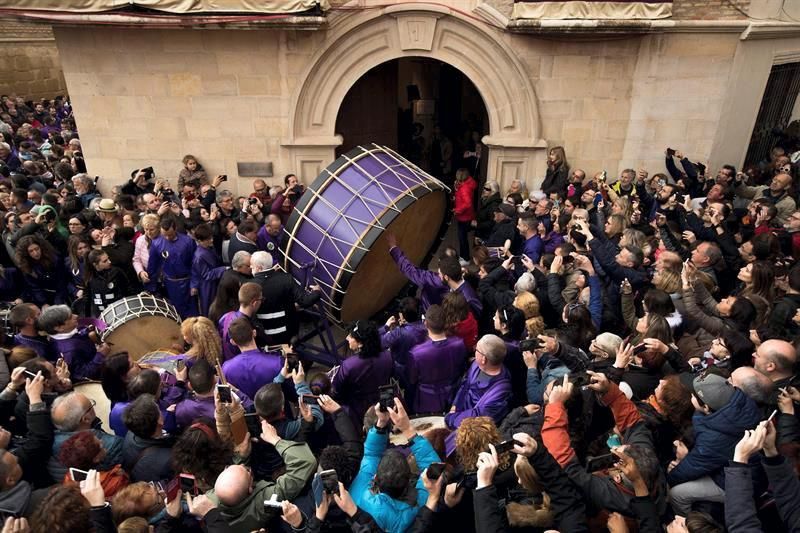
(94, 391)
(337, 229)
(146, 334)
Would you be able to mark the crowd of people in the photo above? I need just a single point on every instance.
(597, 353)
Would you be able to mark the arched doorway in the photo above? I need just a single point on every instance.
(361, 41)
(427, 110)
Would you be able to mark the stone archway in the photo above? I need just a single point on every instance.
(360, 42)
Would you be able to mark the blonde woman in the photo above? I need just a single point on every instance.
(204, 339)
(528, 303)
(141, 249)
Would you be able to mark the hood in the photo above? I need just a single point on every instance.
(739, 414)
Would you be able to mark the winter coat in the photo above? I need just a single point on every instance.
(464, 203)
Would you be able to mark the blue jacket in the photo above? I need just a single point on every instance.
(716, 436)
(393, 516)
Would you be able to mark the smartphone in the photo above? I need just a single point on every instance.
(386, 397)
(600, 462)
(273, 502)
(78, 475)
(187, 484)
(293, 362)
(310, 399)
(29, 374)
(253, 422)
(506, 446)
(180, 366)
(330, 481)
(224, 392)
(172, 488)
(598, 197)
(529, 345)
(775, 412)
(639, 348)
(224, 177)
(435, 471)
(317, 489)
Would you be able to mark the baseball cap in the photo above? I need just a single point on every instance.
(711, 389)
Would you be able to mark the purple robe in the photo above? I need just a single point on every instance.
(357, 379)
(228, 349)
(41, 345)
(251, 370)
(270, 244)
(81, 355)
(207, 269)
(194, 407)
(432, 287)
(481, 395)
(399, 342)
(433, 370)
(173, 259)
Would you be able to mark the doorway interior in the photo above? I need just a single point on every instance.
(410, 104)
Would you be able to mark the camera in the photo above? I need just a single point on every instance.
(529, 345)
(148, 173)
(168, 195)
(297, 190)
(224, 177)
(252, 201)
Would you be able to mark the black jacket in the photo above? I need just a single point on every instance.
(147, 459)
(485, 215)
(556, 180)
(277, 312)
(105, 288)
(34, 451)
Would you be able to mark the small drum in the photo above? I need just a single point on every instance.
(141, 324)
(94, 391)
(421, 424)
(336, 229)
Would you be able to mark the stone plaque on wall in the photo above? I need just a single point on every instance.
(255, 170)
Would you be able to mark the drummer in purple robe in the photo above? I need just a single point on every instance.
(171, 255)
(24, 318)
(270, 237)
(434, 285)
(355, 382)
(434, 367)
(486, 389)
(252, 368)
(403, 332)
(199, 403)
(83, 357)
(207, 267)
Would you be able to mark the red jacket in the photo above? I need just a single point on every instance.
(465, 205)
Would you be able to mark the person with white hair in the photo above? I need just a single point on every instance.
(281, 293)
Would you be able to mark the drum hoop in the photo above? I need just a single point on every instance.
(172, 313)
(373, 231)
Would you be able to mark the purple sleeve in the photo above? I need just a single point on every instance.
(87, 369)
(494, 404)
(417, 276)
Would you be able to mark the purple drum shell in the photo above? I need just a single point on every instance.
(336, 233)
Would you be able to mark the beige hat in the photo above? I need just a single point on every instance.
(107, 205)
(608, 342)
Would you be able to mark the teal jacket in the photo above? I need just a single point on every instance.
(393, 516)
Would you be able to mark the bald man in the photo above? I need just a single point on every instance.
(241, 498)
(776, 360)
(754, 384)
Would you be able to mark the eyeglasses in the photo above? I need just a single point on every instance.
(92, 406)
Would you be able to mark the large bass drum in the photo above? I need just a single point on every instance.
(336, 231)
(142, 324)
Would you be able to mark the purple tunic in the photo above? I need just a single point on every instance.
(228, 349)
(194, 407)
(81, 355)
(173, 259)
(400, 340)
(432, 288)
(357, 379)
(41, 345)
(251, 370)
(481, 395)
(270, 244)
(434, 368)
(207, 269)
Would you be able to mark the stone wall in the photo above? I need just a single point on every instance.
(29, 61)
(710, 9)
(151, 96)
(619, 103)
